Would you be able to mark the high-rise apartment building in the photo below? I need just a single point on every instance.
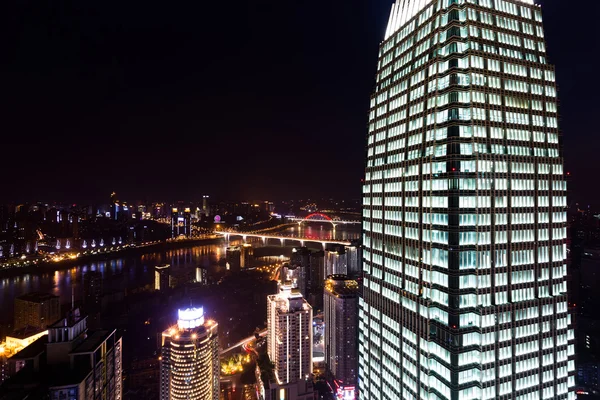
(340, 314)
(162, 277)
(189, 366)
(233, 258)
(70, 362)
(289, 334)
(464, 263)
(92, 291)
(36, 310)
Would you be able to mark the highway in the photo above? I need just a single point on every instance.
(242, 342)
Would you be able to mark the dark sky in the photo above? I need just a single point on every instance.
(238, 99)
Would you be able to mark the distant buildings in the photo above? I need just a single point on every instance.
(162, 277)
(37, 310)
(233, 258)
(202, 275)
(307, 273)
(335, 261)
(270, 389)
(343, 260)
(341, 331)
(289, 334)
(69, 363)
(92, 291)
(246, 255)
(190, 368)
(181, 222)
(296, 274)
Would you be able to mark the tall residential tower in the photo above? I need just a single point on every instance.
(341, 324)
(289, 337)
(464, 293)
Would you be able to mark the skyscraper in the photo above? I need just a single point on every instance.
(162, 277)
(464, 290)
(92, 291)
(341, 324)
(189, 367)
(289, 334)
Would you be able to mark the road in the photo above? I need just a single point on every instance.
(242, 342)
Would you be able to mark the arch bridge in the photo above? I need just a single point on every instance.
(320, 217)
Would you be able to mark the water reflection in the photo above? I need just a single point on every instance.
(120, 274)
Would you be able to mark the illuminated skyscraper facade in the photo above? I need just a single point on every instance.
(189, 366)
(464, 293)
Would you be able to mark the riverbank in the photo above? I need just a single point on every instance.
(49, 266)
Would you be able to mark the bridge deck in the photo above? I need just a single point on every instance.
(299, 239)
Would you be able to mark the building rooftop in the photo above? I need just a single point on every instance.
(341, 286)
(37, 297)
(33, 350)
(26, 332)
(53, 376)
(92, 342)
(73, 317)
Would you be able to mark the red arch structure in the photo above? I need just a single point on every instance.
(323, 216)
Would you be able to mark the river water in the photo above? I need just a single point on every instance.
(129, 273)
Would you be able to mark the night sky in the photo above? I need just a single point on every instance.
(237, 99)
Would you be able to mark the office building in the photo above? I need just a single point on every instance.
(335, 261)
(92, 291)
(181, 222)
(205, 205)
(464, 293)
(162, 277)
(189, 366)
(233, 258)
(36, 310)
(69, 362)
(246, 255)
(297, 275)
(340, 314)
(202, 275)
(353, 256)
(269, 388)
(289, 334)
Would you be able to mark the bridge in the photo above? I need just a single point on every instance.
(281, 239)
(323, 218)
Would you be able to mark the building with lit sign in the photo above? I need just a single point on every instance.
(340, 314)
(289, 334)
(464, 210)
(189, 365)
(181, 222)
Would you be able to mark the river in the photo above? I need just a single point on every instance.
(127, 273)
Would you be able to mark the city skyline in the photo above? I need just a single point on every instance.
(388, 200)
(92, 108)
